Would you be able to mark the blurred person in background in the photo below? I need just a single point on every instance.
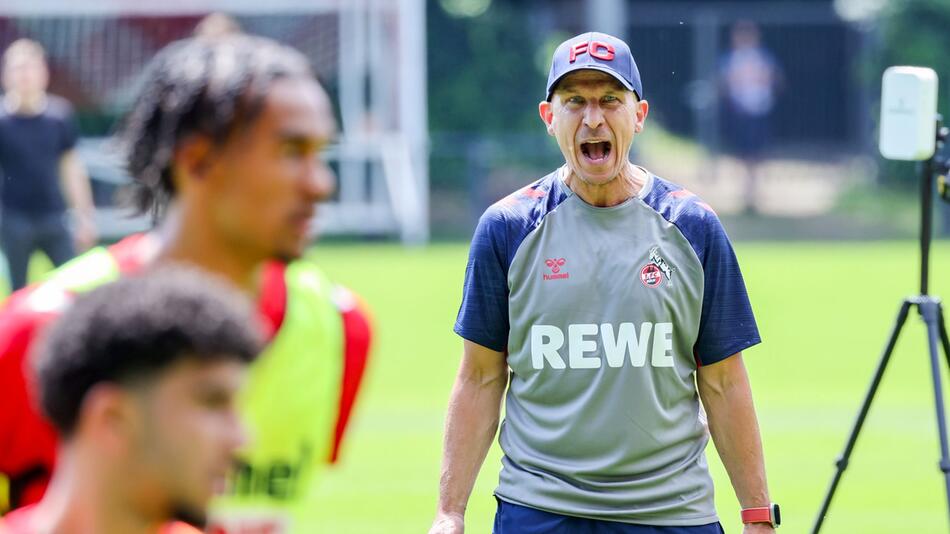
(217, 25)
(140, 378)
(751, 79)
(606, 302)
(40, 166)
(224, 145)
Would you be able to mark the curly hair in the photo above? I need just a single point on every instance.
(132, 329)
(197, 86)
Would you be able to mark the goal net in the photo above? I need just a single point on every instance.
(369, 54)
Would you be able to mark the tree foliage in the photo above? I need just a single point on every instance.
(914, 32)
(482, 74)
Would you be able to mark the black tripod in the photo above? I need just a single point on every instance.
(930, 309)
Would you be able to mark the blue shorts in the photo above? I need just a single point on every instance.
(516, 519)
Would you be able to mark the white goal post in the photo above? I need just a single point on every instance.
(371, 52)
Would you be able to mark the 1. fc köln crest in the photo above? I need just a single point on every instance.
(652, 273)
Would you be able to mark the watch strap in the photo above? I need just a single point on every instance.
(757, 515)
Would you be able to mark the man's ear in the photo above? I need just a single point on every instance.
(547, 115)
(192, 159)
(642, 110)
(108, 415)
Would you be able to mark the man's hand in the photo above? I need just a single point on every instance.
(85, 234)
(78, 192)
(448, 523)
(727, 397)
(470, 426)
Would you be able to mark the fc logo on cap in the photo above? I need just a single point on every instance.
(597, 49)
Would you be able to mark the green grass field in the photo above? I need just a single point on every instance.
(824, 311)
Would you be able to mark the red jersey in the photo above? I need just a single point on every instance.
(28, 441)
(22, 521)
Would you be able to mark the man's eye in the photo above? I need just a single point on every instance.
(215, 400)
(575, 100)
(610, 99)
(295, 150)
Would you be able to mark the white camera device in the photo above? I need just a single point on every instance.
(908, 113)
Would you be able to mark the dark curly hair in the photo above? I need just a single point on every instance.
(202, 85)
(132, 329)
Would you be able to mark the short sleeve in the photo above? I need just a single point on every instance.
(727, 325)
(483, 315)
(357, 335)
(69, 128)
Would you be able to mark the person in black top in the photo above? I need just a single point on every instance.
(41, 171)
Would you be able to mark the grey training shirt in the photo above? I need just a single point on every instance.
(605, 314)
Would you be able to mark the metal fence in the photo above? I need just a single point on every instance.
(368, 54)
(821, 113)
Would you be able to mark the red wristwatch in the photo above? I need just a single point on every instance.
(767, 514)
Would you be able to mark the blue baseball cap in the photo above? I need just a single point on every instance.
(597, 51)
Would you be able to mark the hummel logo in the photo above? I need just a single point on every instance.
(555, 265)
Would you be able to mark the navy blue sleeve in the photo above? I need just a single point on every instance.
(727, 325)
(483, 315)
(69, 130)
(70, 133)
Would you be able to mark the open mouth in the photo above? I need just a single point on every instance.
(596, 151)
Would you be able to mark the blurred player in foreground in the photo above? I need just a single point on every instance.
(140, 378)
(613, 302)
(224, 146)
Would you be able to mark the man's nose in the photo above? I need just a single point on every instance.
(237, 433)
(320, 181)
(593, 116)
